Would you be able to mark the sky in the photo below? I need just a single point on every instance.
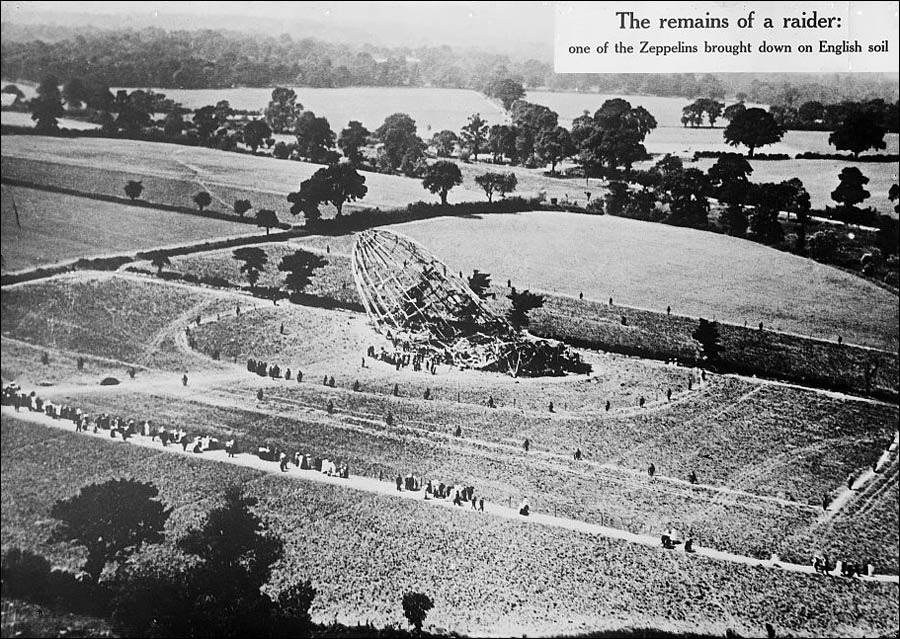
(500, 26)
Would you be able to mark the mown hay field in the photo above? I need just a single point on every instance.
(56, 227)
(486, 575)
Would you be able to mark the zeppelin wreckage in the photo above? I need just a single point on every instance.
(420, 306)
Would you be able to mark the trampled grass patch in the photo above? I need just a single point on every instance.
(104, 315)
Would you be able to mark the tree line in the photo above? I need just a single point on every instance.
(207, 59)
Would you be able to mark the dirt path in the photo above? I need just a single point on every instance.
(854, 488)
(374, 486)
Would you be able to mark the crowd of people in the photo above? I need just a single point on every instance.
(12, 395)
(264, 369)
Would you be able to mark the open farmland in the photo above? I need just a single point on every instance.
(17, 118)
(491, 576)
(654, 266)
(134, 322)
(738, 423)
(333, 281)
(56, 227)
(227, 176)
(820, 178)
(740, 465)
(432, 109)
(671, 136)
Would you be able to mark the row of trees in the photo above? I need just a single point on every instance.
(209, 582)
(681, 196)
(854, 127)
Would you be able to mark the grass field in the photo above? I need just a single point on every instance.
(227, 176)
(17, 118)
(726, 433)
(487, 576)
(654, 266)
(56, 227)
(106, 316)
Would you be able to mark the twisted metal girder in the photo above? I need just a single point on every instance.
(408, 291)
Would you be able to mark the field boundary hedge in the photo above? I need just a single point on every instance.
(806, 155)
(114, 262)
(366, 218)
(745, 351)
(144, 204)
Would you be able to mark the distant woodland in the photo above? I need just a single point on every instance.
(218, 59)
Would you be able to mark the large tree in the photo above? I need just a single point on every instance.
(768, 200)
(299, 267)
(335, 185)
(266, 218)
(685, 193)
(202, 199)
(753, 128)
(315, 139)
(507, 90)
(351, 140)
(440, 177)
(75, 92)
(850, 191)
(492, 182)
(444, 143)
(474, 134)
(730, 185)
(530, 121)
(733, 110)
(253, 261)
(502, 142)
(692, 114)
(255, 133)
(236, 554)
(554, 145)
(132, 112)
(795, 199)
(46, 106)
(112, 520)
(399, 139)
(858, 132)
(283, 110)
(614, 136)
